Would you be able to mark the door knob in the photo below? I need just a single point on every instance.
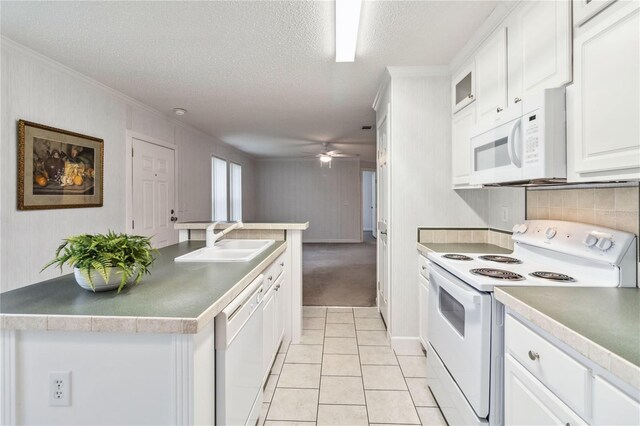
(516, 100)
(470, 96)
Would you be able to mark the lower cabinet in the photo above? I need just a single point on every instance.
(529, 402)
(423, 300)
(273, 322)
(546, 385)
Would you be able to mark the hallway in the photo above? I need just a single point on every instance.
(342, 274)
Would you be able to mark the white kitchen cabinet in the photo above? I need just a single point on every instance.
(268, 330)
(583, 10)
(613, 407)
(461, 125)
(491, 77)
(603, 105)
(539, 48)
(529, 402)
(423, 300)
(463, 87)
(280, 308)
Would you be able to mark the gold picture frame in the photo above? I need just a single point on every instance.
(58, 169)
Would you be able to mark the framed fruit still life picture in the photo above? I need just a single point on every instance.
(58, 169)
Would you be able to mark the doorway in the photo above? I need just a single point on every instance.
(369, 219)
(153, 192)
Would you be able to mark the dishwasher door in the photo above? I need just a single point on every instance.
(239, 358)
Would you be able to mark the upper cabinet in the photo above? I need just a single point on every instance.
(539, 48)
(463, 87)
(491, 76)
(583, 10)
(461, 126)
(603, 104)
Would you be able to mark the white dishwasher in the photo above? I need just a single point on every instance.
(239, 358)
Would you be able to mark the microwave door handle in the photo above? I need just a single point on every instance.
(511, 144)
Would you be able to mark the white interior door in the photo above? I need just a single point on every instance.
(153, 191)
(383, 220)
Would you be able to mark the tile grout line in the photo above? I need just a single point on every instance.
(408, 389)
(364, 392)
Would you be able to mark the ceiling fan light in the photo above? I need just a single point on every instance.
(347, 23)
(325, 158)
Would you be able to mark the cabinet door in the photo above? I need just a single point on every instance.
(491, 77)
(280, 309)
(583, 10)
(529, 402)
(423, 299)
(268, 326)
(604, 103)
(612, 407)
(461, 125)
(463, 87)
(539, 48)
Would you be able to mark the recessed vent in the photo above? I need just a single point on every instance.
(366, 127)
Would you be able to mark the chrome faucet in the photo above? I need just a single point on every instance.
(212, 237)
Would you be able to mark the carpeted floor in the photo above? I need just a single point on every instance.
(339, 274)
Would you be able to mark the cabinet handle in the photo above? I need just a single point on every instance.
(567, 424)
(498, 109)
(270, 278)
(424, 268)
(470, 96)
(533, 355)
(282, 264)
(516, 100)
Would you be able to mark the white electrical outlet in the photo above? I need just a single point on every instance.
(60, 388)
(505, 214)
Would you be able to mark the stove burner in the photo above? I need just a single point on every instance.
(456, 257)
(554, 276)
(499, 274)
(500, 259)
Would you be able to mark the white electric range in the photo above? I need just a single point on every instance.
(465, 327)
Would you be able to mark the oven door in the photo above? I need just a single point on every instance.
(496, 153)
(459, 329)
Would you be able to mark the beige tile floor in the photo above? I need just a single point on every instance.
(345, 373)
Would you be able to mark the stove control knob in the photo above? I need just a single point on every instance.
(519, 228)
(550, 233)
(604, 243)
(590, 240)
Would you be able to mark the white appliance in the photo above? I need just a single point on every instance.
(465, 326)
(239, 358)
(527, 143)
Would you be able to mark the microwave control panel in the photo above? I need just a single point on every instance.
(531, 136)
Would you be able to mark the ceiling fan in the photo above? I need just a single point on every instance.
(326, 155)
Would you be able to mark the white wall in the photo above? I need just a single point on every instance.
(367, 200)
(300, 190)
(37, 89)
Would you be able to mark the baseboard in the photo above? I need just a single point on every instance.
(407, 345)
(332, 241)
(368, 230)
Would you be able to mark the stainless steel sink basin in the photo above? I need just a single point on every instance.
(227, 251)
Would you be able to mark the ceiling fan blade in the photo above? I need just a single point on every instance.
(333, 152)
(345, 156)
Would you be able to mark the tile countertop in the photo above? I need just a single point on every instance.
(246, 225)
(175, 298)
(603, 324)
(426, 248)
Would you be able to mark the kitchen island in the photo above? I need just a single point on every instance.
(144, 356)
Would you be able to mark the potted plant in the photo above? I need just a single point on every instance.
(105, 261)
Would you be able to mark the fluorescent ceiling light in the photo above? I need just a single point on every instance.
(325, 158)
(347, 21)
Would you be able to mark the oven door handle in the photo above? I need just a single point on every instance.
(511, 144)
(462, 295)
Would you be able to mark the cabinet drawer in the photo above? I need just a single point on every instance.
(565, 376)
(423, 266)
(273, 272)
(612, 407)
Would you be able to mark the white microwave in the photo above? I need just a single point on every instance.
(526, 144)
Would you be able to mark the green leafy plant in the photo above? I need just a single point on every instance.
(128, 255)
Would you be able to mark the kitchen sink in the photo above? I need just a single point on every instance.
(228, 251)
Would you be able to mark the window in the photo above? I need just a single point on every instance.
(235, 191)
(219, 189)
(226, 193)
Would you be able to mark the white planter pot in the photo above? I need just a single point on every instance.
(98, 281)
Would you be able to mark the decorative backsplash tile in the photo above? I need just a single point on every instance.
(465, 235)
(616, 208)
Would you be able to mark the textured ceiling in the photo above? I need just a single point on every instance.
(259, 75)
